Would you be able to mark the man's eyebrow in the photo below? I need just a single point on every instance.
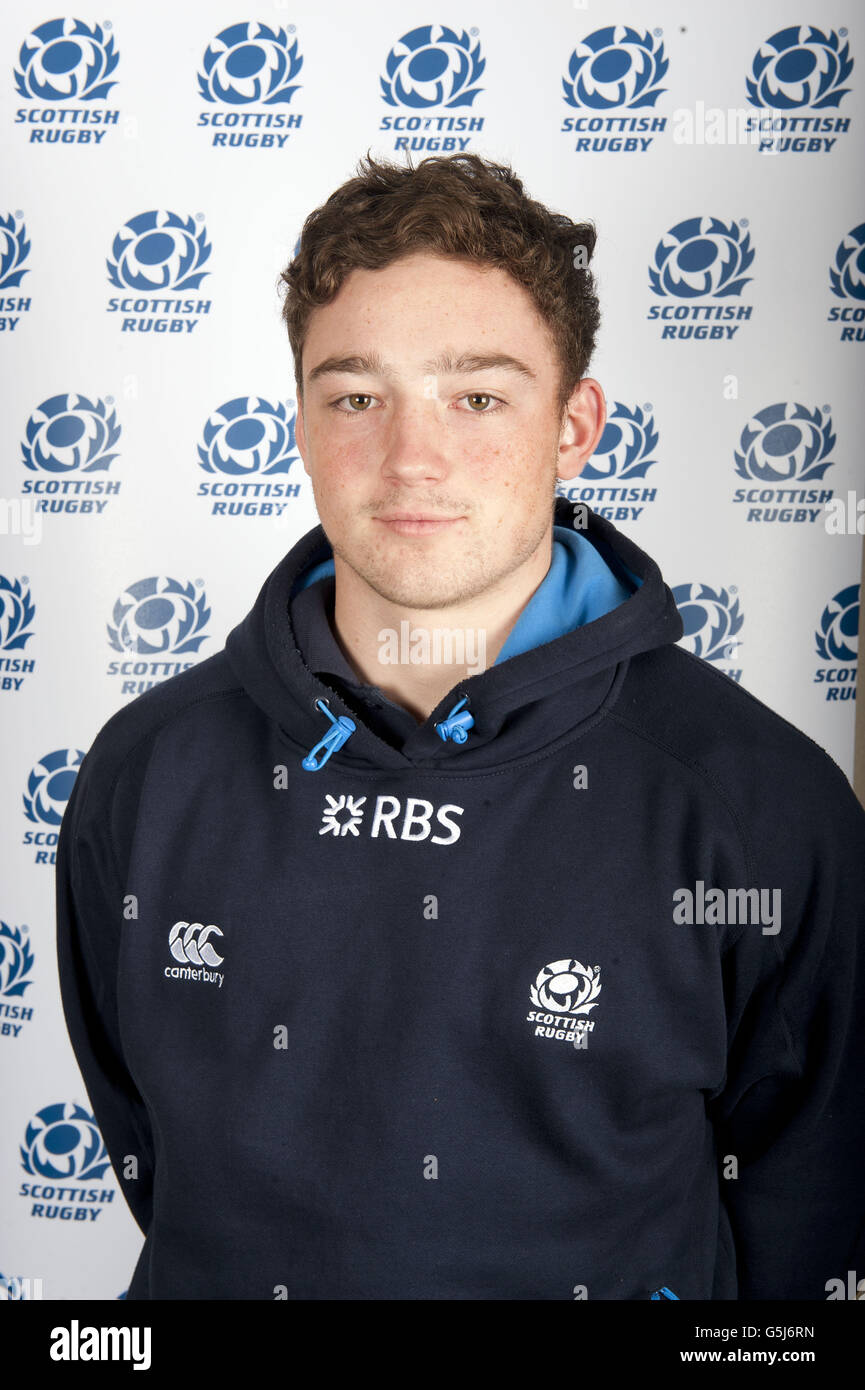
(444, 365)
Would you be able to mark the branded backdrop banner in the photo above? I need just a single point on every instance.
(159, 161)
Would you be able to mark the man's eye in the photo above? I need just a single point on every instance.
(483, 396)
(353, 396)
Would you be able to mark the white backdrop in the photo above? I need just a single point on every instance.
(732, 285)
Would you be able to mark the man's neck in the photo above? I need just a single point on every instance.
(426, 652)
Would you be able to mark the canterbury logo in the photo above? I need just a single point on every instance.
(189, 942)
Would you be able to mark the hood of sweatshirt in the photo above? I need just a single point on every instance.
(540, 688)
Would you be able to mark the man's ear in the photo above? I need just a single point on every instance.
(584, 422)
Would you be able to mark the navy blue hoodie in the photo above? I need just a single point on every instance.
(428, 1015)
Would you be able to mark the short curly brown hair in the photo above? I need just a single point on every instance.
(453, 205)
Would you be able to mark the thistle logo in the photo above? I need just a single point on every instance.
(66, 61)
(344, 815)
(799, 69)
(433, 66)
(17, 611)
(159, 251)
(622, 453)
(563, 993)
(189, 943)
(63, 1144)
(847, 281)
(701, 258)
(711, 621)
(14, 250)
(157, 615)
(252, 67)
(49, 787)
(248, 441)
(65, 435)
(837, 641)
(785, 443)
(16, 962)
(615, 68)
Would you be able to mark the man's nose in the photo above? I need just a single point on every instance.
(416, 440)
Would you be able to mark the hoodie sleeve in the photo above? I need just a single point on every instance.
(89, 899)
(792, 1108)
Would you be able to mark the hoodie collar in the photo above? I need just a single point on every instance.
(607, 593)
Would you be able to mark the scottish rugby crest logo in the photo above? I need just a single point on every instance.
(432, 76)
(563, 993)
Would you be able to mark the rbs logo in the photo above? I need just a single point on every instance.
(414, 820)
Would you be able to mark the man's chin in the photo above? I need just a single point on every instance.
(417, 597)
(431, 587)
(411, 576)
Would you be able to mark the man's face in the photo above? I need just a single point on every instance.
(411, 431)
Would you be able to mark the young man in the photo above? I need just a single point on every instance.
(453, 934)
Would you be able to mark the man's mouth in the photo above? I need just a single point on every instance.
(416, 523)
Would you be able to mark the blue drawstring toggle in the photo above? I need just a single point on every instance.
(340, 729)
(665, 1293)
(457, 724)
